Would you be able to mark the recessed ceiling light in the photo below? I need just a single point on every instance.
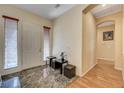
(103, 5)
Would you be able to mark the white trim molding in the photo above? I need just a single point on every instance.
(118, 68)
(89, 69)
(109, 59)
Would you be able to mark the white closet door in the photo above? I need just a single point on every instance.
(31, 45)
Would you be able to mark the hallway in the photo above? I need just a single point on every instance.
(103, 75)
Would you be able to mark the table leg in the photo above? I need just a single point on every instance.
(50, 62)
(61, 69)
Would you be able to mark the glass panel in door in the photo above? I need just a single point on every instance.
(10, 51)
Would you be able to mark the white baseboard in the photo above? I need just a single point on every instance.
(118, 68)
(106, 59)
(88, 70)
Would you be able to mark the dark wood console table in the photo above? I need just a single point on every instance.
(50, 59)
(61, 62)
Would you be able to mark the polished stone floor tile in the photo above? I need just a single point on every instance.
(39, 77)
(12, 82)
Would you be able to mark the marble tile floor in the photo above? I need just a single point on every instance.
(39, 77)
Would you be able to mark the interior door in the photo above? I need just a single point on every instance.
(31, 45)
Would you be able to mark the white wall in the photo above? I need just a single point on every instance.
(67, 36)
(123, 41)
(117, 19)
(89, 42)
(105, 49)
(24, 17)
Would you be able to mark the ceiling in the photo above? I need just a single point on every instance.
(108, 23)
(104, 10)
(50, 11)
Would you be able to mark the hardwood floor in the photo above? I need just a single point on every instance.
(103, 75)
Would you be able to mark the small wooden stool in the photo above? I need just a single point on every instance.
(69, 70)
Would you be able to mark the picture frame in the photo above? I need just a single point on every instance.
(108, 35)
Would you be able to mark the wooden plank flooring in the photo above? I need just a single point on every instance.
(103, 75)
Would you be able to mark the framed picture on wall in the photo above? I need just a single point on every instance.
(108, 35)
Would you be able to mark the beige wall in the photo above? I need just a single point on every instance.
(123, 40)
(25, 17)
(67, 36)
(89, 42)
(105, 49)
(117, 18)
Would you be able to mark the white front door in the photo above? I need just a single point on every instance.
(24, 52)
(31, 45)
